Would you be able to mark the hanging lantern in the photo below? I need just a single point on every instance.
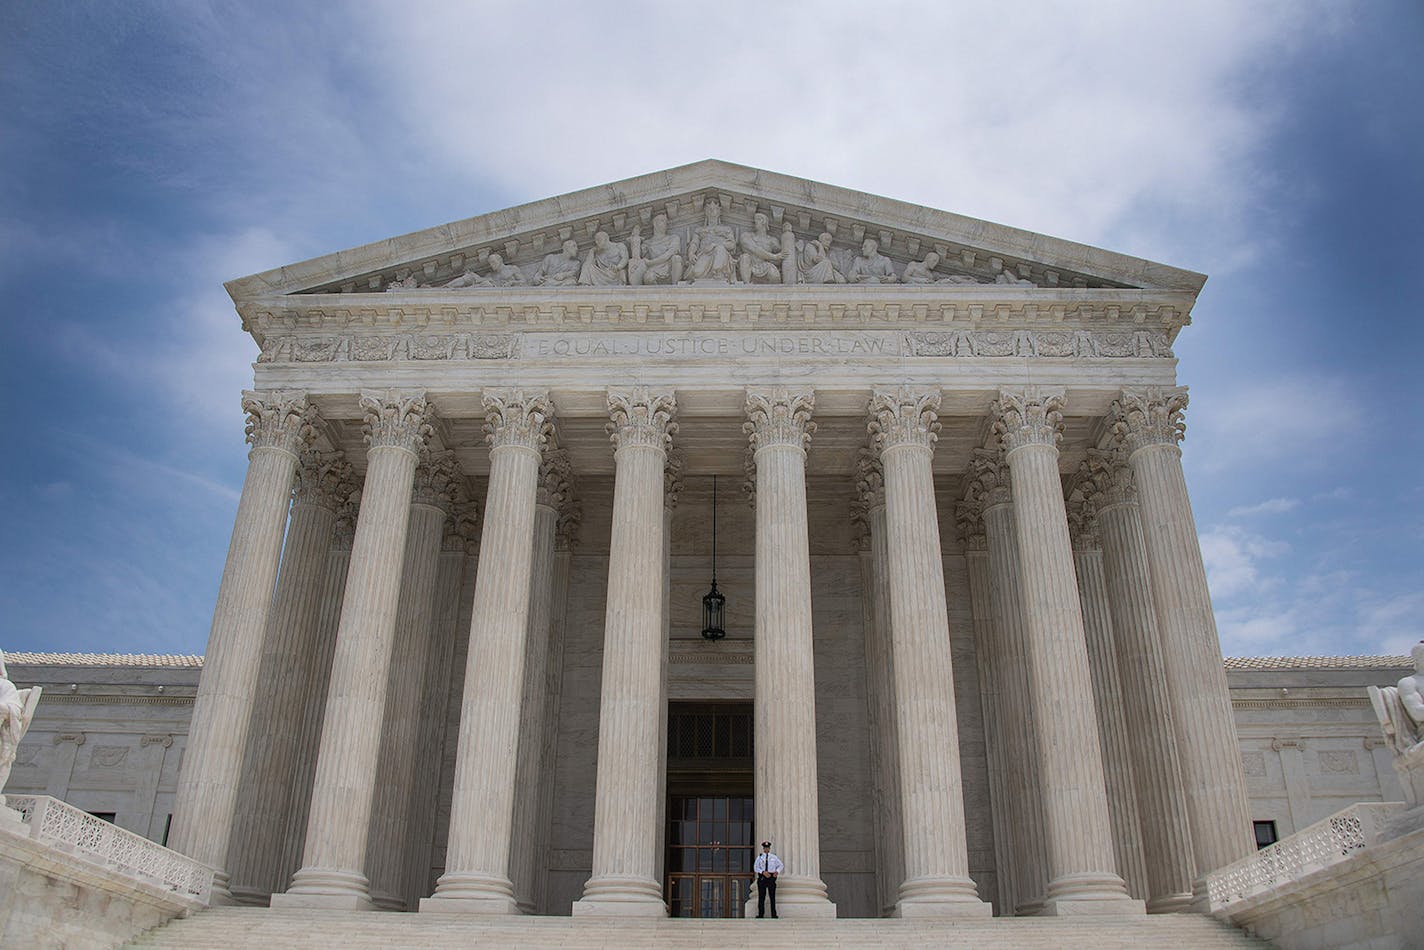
(713, 601)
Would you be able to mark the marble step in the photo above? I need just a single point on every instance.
(234, 928)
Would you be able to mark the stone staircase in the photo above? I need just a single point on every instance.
(229, 928)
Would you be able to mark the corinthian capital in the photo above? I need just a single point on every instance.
(1107, 477)
(1152, 416)
(518, 417)
(556, 480)
(869, 479)
(969, 518)
(396, 418)
(1081, 505)
(439, 481)
(777, 415)
(323, 480)
(904, 417)
(279, 419)
(347, 513)
(641, 417)
(1029, 416)
(672, 477)
(987, 482)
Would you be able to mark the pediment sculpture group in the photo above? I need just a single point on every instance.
(714, 252)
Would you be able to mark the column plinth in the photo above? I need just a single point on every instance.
(476, 878)
(279, 426)
(1148, 425)
(1078, 831)
(904, 425)
(625, 824)
(333, 860)
(787, 797)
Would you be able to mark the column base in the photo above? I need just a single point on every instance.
(465, 892)
(1093, 907)
(928, 907)
(793, 908)
(221, 896)
(327, 888)
(609, 896)
(1171, 904)
(249, 896)
(388, 902)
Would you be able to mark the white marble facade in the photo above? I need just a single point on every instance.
(967, 526)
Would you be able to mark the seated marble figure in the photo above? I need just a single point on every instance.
(1400, 708)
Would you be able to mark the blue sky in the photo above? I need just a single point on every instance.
(150, 151)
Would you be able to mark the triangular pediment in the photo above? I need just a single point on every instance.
(527, 239)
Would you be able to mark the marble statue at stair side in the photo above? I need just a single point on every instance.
(1400, 708)
(17, 708)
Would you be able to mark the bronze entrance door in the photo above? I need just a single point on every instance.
(709, 809)
(710, 855)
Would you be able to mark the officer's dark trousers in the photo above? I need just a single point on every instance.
(766, 886)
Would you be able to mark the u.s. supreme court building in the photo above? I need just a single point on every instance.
(458, 659)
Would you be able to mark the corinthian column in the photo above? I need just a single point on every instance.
(333, 862)
(1166, 836)
(970, 517)
(476, 879)
(1081, 865)
(787, 805)
(439, 483)
(1107, 691)
(533, 769)
(1148, 424)
(279, 426)
(989, 490)
(289, 656)
(625, 832)
(880, 673)
(904, 425)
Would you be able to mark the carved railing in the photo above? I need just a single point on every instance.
(1320, 845)
(101, 842)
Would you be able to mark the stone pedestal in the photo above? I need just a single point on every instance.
(625, 832)
(333, 862)
(937, 883)
(279, 426)
(476, 878)
(1081, 863)
(787, 798)
(1148, 425)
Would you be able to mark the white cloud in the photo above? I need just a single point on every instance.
(1059, 119)
(1271, 506)
(1236, 428)
(1233, 557)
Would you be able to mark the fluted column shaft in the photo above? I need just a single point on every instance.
(333, 862)
(434, 707)
(1017, 733)
(1081, 863)
(937, 883)
(289, 657)
(880, 670)
(333, 590)
(1149, 424)
(476, 878)
(625, 832)
(279, 427)
(1112, 729)
(986, 653)
(562, 564)
(438, 482)
(1147, 708)
(530, 770)
(787, 797)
